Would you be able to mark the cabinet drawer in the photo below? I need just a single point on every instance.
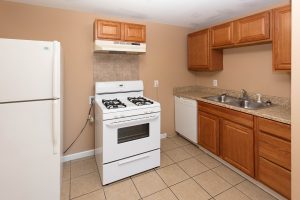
(229, 114)
(275, 128)
(129, 166)
(275, 149)
(275, 176)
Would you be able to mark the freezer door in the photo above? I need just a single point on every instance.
(29, 70)
(30, 164)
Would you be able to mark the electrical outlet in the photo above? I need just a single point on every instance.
(215, 83)
(156, 83)
(91, 98)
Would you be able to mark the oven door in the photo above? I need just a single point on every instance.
(130, 136)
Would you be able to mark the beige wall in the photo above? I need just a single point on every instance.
(295, 100)
(165, 60)
(249, 68)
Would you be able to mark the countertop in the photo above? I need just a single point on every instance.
(280, 111)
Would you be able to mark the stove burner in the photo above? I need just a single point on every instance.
(139, 101)
(113, 103)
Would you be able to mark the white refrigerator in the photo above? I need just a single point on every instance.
(30, 120)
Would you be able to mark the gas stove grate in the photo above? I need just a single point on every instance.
(113, 103)
(139, 101)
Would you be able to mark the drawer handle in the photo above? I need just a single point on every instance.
(129, 160)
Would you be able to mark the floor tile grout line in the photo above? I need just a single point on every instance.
(243, 192)
(254, 185)
(96, 171)
(195, 174)
(136, 188)
(167, 185)
(158, 190)
(84, 194)
(186, 180)
(224, 178)
(206, 190)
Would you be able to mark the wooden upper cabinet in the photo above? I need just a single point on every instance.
(113, 30)
(208, 132)
(253, 29)
(282, 38)
(134, 32)
(108, 30)
(200, 54)
(198, 49)
(237, 146)
(222, 35)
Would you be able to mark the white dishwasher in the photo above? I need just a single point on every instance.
(186, 118)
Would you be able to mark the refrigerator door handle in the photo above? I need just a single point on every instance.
(56, 70)
(55, 126)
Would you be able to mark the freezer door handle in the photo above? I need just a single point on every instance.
(55, 126)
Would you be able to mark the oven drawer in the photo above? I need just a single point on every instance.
(129, 166)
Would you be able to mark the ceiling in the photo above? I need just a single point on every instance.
(186, 13)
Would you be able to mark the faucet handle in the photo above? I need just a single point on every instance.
(258, 98)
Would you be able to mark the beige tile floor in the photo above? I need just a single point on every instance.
(186, 173)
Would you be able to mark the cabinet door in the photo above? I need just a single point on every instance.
(200, 54)
(222, 35)
(282, 38)
(237, 146)
(134, 32)
(198, 50)
(208, 132)
(254, 28)
(108, 30)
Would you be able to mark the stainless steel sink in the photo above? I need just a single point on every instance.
(238, 102)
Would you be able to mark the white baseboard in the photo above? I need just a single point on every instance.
(79, 155)
(163, 135)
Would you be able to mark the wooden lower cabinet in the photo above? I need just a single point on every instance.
(273, 155)
(257, 146)
(208, 132)
(274, 176)
(237, 146)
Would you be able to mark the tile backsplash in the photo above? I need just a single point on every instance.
(115, 67)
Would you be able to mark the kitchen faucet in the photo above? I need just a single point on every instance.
(244, 94)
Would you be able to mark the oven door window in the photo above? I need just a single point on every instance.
(131, 133)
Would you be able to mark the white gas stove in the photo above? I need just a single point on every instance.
(127, 135)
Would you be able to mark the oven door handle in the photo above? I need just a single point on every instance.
(134, 121)
(135, 158)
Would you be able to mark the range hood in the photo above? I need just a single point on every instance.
(108, 46)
